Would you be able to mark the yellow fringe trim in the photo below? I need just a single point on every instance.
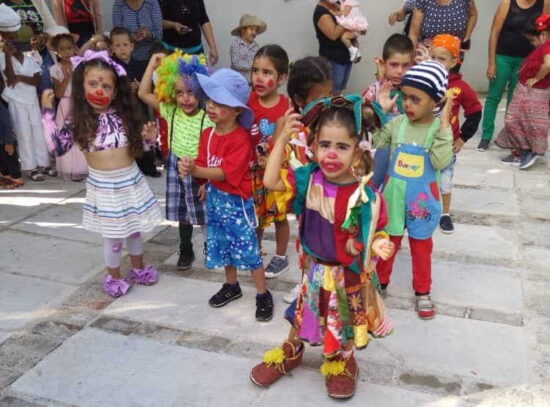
(274, 357)
(333, 368)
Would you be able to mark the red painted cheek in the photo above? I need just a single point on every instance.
(270, 82)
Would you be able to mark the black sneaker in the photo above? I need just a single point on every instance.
(483, 145)
(264, 307)
(528, 159)
(185, 261)
(446, 224)
(225, 295)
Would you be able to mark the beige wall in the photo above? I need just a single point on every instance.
(290, 25)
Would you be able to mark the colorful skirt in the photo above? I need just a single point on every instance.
(119, 203)
(265, 201)
(526, 123)
(337, 305)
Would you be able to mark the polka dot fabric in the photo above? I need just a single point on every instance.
(443, 19)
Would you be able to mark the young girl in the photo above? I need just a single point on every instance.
(225, 155)
(350, 16)
(119, 203)
(340, 231)
(176, 101)
(527, 122)
(269, 71)
(71, 165)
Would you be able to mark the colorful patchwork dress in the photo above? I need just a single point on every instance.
(338, 301)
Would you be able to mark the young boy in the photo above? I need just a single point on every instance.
(421, 145)
(445, 49)
(225, 154)
(122, 45)
(22, 76)
(244, 47)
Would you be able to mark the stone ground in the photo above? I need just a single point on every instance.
(64, 343)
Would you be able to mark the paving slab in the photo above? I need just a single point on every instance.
(485, 202)
(467, 285)
(492, 177)
(23, 299)
(533, 183)
(536, 208)
(4, 336)
(448, 345)
(49, 258)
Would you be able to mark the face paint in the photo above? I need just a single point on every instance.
(98, 99)
(330, 166)
(117, 247)
(270, 83)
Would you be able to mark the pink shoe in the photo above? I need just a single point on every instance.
(115, 287)
(145, 276)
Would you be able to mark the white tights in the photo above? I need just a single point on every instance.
(112, 249)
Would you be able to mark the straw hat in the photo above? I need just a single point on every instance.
(248, 20)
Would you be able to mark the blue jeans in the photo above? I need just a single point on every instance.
(340, 76)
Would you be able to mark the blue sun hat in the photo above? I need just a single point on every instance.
(230, 88)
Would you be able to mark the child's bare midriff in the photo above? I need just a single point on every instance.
(108, 160)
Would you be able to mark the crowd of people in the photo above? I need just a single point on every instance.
(241, 154)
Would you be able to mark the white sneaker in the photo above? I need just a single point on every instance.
(353, 51)
(292, 294)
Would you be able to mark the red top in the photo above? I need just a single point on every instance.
(232, 153)
(467, 99)
(78, 11)
(532, 64)
(265, 118)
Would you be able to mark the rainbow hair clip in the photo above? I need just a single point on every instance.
(175, 67)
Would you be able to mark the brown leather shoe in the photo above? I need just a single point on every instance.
(277, 363)
(340, 376)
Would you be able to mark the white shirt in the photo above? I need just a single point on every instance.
(21, 92)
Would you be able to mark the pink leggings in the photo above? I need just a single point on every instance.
(112, 249)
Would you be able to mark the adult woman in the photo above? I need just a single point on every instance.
(82, 17)
(144, 21)
(328, 34)
(183, 21)
(433, 17)
(507, 49)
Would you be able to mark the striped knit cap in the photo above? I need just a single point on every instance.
(429, 77)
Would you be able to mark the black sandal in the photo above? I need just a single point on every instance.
(50, 172)
(36, 175)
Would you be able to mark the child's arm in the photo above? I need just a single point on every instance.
(59, 86)
(186, 166)
(272, 175)
(472, 115)
(29, 80)
(397, 16)
(58, 141)
(541, 74)
(145, 91)
(441, 152)
(9, 51)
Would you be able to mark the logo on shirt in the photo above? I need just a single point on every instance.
(214, 161)
(409, 165)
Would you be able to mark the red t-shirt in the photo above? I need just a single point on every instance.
(532, 64)
(78, 11)
(232, 153)
(265, 118)
(467, 99)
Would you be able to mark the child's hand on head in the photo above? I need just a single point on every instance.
(291, 125)
(384, 98)
(422, 54)
(149, 131)
(383, 248)
(48, 98)
(186, 166)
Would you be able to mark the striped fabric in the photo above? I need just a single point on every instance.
(428, 76)
(119, 203)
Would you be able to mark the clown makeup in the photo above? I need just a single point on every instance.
(335, 152)
(443, 56)
(185, 98)
(266, 80)
(225, 117)
(99, 88)
(418, 105)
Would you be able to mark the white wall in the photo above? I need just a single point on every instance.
(290, 25)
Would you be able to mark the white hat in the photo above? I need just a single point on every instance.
(56, 30)
(10, 21)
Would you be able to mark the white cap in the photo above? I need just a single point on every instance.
(9, 19)
(56, 30)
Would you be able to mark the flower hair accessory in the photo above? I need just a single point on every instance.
(365, 145)
(101, 55)
(543, 22)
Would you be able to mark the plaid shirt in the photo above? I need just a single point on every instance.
(242, 56)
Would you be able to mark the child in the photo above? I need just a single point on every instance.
(225, 154)
(178, 105)
(71, 165)
(9, 159)
(21, 76)
(445, 49)
(269, 71)
(119, 203)
(244, 47)
(397, 58)
(354, 21)
(122, 45)
(527, 122)
(340, 221)
(421, 145)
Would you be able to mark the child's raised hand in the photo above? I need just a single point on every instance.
(291, 124)
(384, 98)
(383, 248)
(422, 54)
(48, 98)
(149, 131)
(156, 59)
(186, 166)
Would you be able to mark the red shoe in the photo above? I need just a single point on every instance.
(340, 376)
(425, 307)
(276, 364)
